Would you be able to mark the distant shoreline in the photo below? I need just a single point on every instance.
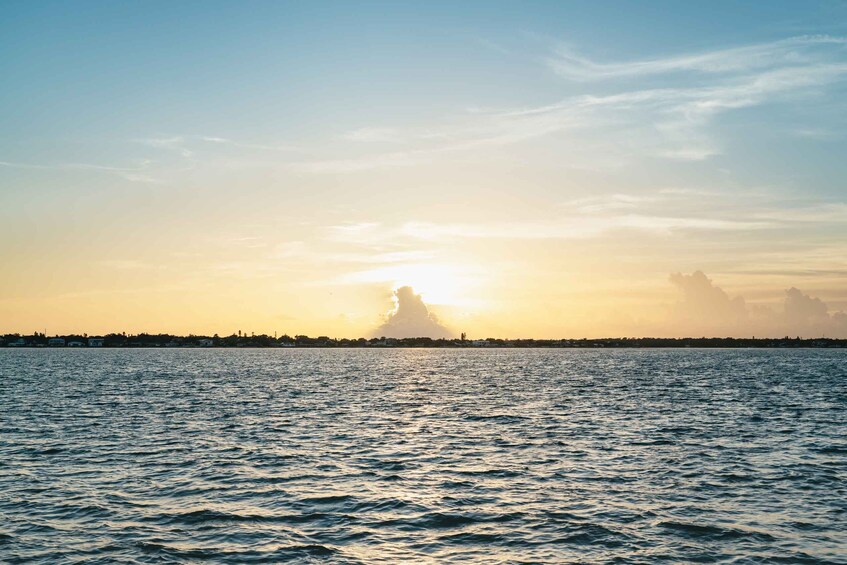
(323, 342)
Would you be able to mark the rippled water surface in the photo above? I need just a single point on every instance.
(365, 456)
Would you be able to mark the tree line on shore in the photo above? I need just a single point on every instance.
(264, 340)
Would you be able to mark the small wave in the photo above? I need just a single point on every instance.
(502, 473)
(653, 442)
(279, 479)
(563, 517)
(447, 520)
(46, 451)
(329, 499)
(193, 517)
(200, 517)
(197, 517)
(713, 532)
(677, 430)
(385, 505)
(392, 466)
(472, 538)
(807, 526)
(308, 517)
(735, 478)
(597, 535)
(832, 450)
(308, 550)
(450, 485)
(84, 511)
(496, 417)
(280, 554)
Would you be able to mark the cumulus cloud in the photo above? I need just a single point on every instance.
(411, 318)
(802, 309)
(705, 306)
(706, 309)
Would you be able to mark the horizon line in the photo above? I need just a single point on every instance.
(165, 340)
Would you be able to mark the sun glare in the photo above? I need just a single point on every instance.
(438, 284)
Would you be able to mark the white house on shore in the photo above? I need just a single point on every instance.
(95, 342)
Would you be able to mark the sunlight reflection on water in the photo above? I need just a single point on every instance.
(422, 455)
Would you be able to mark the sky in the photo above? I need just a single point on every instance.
(526, 169)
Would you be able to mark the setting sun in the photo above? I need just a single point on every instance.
(438, 284)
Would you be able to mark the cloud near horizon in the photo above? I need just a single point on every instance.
(706, 309)
(411, 318)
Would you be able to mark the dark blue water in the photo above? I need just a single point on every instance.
(368, 456)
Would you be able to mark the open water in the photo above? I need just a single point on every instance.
(393, 456)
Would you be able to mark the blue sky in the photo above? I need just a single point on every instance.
(100, 68)
(354, 147)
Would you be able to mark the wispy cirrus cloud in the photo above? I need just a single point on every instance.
(662, 212)
(175, 143)
(672, 120)
(793, 51)
(188, 145)
(606, 202)
(132, 174)
(802, 212)
(576, 227)
(570, 226)
(363, 163)
(618, 120)
(373, 135)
